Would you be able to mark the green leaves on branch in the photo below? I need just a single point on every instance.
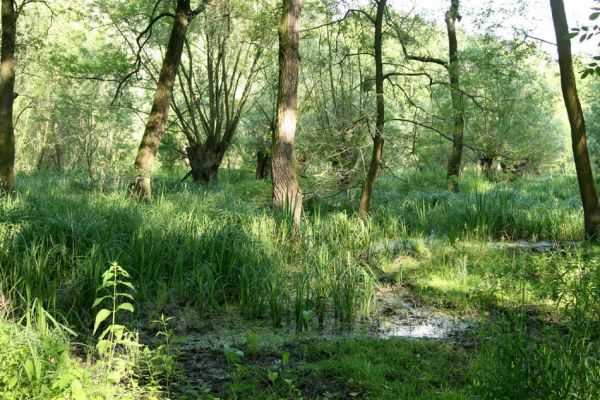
(116, 285)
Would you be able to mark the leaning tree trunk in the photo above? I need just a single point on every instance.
(455, 159)
(587, 188)
(155, 126)
(7, 96)
(286, 190)
(369, 184)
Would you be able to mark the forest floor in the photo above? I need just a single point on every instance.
(487, 294)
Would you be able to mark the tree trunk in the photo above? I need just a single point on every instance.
(287, 195)
(587, 188)
(369, 184)
(263, 164)
(454, 162)
(486, 163)
(155, 127)
(7, 87)
(58, 157)
(204, 163)
(42, 153)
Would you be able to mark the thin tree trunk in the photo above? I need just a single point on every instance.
(7, 87)
(369, 184)
(286, 190)
(155, 127)
(42, 153)
(587, 188)
(58, 157)
(454, 162)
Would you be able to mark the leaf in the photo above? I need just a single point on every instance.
(107, 276)
(103, 346)
(573, 35)
(127, 284)
(126, 307)
(594, 16)
(77, 392)
(286, 358)
(273, 376)
(99, 300)
(29, 369)
(100, 317)
(63, 381)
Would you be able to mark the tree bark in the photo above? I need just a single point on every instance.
(58, 159)
(155, 126)
(7, 87)
(263, 164)
(369, 184)
(454, 162)
(287, 195)
(585, 178)
(42, 153)
(204, 162)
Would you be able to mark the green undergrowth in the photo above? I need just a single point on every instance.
(201, 252)
(40, 364)
(354, 369)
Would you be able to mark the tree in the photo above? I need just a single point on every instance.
(210, 122)
(454, 162)
(587, 188)
(7, 96)
(155, 126)
(453, 67)
(375, 165)
(287, 194)
(337, 116)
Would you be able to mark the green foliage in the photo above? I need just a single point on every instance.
(114, 290)
(557, 362)
(585, 33)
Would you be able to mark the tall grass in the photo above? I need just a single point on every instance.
(522, 360)
(540, 208)
(192, 248)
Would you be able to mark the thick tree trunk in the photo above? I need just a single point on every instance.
(454, 162)
(369, 184)
(287, 195)
(204, 163)
(587, 188)
(263, 164)
(7, 87)
(155, 127)
(486, 163)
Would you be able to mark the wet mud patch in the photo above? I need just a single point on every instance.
(231, 348)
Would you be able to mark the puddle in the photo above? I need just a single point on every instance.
(201, 353)
(425, 328)
(395, 317)
(407, 321)
(542, 246)
(395, 246)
